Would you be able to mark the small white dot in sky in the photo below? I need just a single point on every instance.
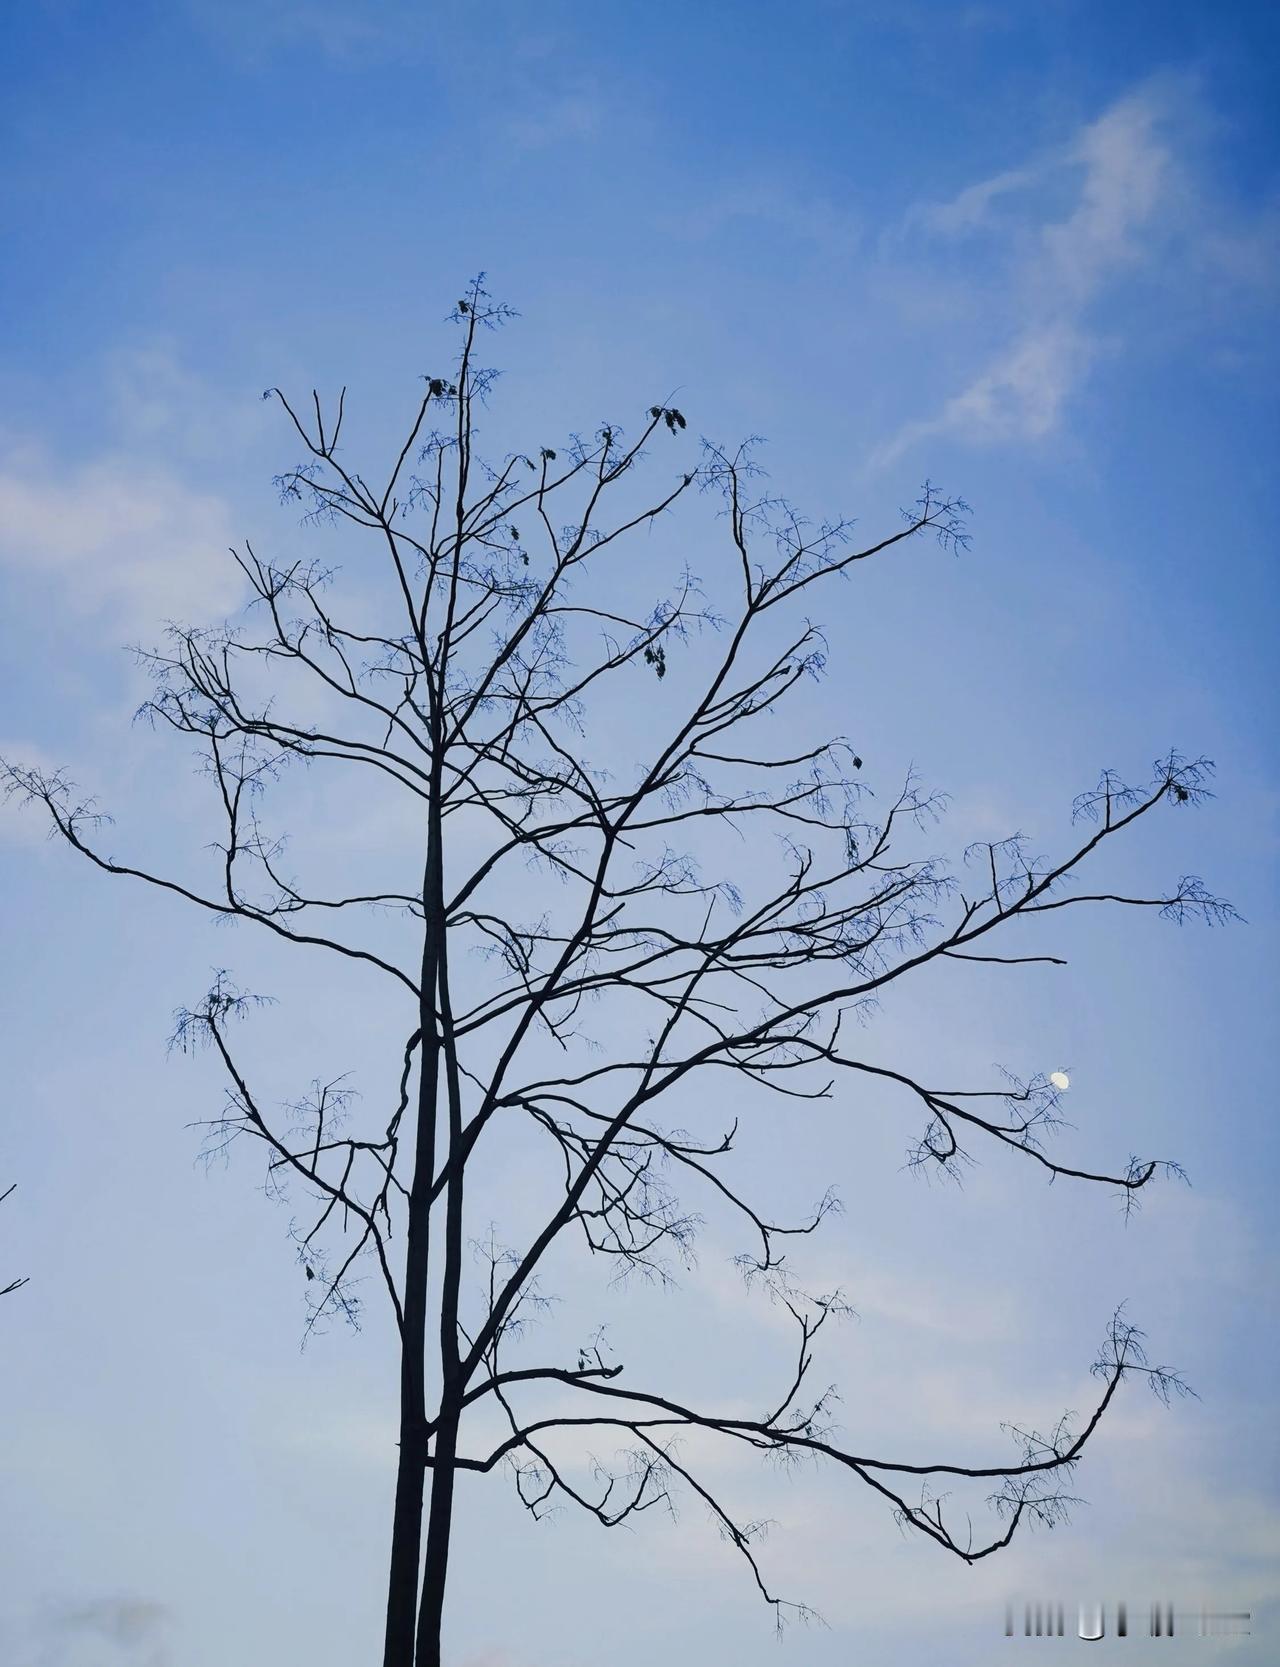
(1060, 1079)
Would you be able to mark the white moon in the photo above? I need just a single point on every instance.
(1060, 1079)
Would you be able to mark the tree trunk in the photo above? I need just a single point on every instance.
(406, 1532)
(445, 1445)
(439, 1526)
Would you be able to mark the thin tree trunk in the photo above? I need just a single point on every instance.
(406, 1531)
(439, 1529)
(445, 1446)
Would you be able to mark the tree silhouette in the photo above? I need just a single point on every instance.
(623, 998)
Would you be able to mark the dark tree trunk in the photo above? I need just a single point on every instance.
(406, 1533)
(439, 1526)
(445, 1446)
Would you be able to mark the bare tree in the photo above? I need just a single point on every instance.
(514, 632)
(14, 1284)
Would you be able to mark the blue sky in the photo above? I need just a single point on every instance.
(1027, 251)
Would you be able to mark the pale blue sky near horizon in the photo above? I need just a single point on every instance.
(1027, 252)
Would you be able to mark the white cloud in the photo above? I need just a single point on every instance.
(116, 536)
(1019, 396)
(1116, 172)
(972, 207)
(1132, 207)
(1128, 174)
